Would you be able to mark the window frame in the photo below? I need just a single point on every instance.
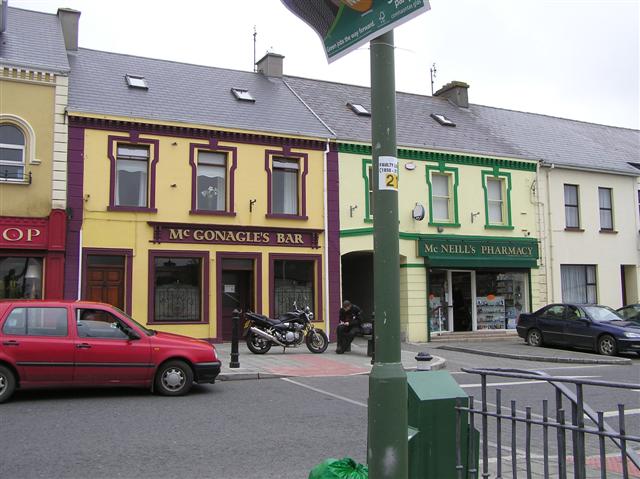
(303, 170)
(609, 210)
(154, 156)
(568, 205)
(23, 157)
(587, 284)
(204, 286)
(26, 334)
(367, 173)
(505, 180)
(453, 183)
(317, 278)
(232, 154)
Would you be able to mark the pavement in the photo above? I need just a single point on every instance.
(300, 362)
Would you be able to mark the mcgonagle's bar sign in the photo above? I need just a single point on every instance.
(344, 25)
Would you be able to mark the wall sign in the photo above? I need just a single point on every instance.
(388, 173)
(233, 235)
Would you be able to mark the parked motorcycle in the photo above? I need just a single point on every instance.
(287, 331)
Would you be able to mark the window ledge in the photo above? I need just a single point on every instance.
(173, 323)
(574, 229)
(498, 227)
(132, 209)
(285, 217)
(445, 225)
(212, 213)
(15, 182)
(609, 232)
(368, 220)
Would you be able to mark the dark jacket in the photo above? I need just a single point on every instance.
(352, 316)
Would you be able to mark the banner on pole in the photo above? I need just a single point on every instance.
(344, 25)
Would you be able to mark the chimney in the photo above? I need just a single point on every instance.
(456, 93)
(4, 5)
(270, 65)
(69, 20)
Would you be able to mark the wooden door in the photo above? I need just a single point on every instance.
(105, 281)
(236, 292)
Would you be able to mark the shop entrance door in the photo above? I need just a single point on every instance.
(461, 294)
(105, 280)
(236, 291)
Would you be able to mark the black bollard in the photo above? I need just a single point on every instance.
(235, 360)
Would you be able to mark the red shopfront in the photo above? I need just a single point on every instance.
(32, 256)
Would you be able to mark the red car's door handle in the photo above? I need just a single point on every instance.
(83, 346)
(11, 343)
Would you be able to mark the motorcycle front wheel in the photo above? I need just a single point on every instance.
(257, 344)
(317, 341)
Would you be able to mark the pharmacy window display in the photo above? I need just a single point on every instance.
(500, 298)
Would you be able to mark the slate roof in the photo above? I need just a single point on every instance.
(479, 129)
(180, 92)
(33, 39)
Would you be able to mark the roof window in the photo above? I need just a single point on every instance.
(137, 81)
(443, 120)
(358, 109)
(242, 94)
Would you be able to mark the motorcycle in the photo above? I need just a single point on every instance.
(287, 331)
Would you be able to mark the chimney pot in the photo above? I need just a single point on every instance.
(456, 92)
(69, 20)
(270, 65)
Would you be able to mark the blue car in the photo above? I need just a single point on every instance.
(587, 326)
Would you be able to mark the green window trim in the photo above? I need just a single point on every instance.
(496, 173)
(453, 202)
(366, 164)
(437, 157)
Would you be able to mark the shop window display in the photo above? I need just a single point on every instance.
(20, 277)
(500, 298)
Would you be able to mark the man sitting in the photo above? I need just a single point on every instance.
(349, 326)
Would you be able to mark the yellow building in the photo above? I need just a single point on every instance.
(195, 201)
(33, 153)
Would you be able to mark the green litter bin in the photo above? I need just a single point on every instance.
(432, 399)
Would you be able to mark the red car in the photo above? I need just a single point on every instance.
(58, 343)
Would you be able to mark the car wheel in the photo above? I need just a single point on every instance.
(534, 337)
(7, 383)
(174, 378)
(607, 345)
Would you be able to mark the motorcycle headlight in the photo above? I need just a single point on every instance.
(310, 316)
(631, 335)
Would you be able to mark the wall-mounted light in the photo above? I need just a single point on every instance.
(351, 210)
(175, 143)
(173, 185)
(251, 203)
(439, 229)
(418, 212)
(410, 166)
(474, 214)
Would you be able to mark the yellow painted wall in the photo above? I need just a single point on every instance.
(413, 188)
(128, 230)
(34, 103)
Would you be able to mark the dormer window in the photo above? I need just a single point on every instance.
(242, 94)
(443, 120)
(136, 81)
(358, 109)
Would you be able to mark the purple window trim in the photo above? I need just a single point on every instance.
(317, 258)
(287, 154)
(332, 239)
(213, 146)
(283, 216)
(132, 209)
(204, 288)
(128, 265)
(133, 139)
(193, 133)
(257, 283)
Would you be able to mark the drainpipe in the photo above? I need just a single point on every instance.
(550, 263)
(327, 301)
(79, 293)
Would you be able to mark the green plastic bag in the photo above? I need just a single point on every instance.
(345, 468)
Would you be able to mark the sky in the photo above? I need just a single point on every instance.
(577, 59)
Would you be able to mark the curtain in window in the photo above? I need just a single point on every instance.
(177, 289)
(211, 187)
(578, 284)
(494, 200)
(131, 183)
(440, 197)
(285, 187)
(293, 282)
(606, 217)
(571, 206)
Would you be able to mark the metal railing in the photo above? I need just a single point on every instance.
(548, 452)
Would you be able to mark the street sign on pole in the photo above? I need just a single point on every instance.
(344, 25)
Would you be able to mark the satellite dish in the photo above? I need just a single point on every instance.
(418, 212)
